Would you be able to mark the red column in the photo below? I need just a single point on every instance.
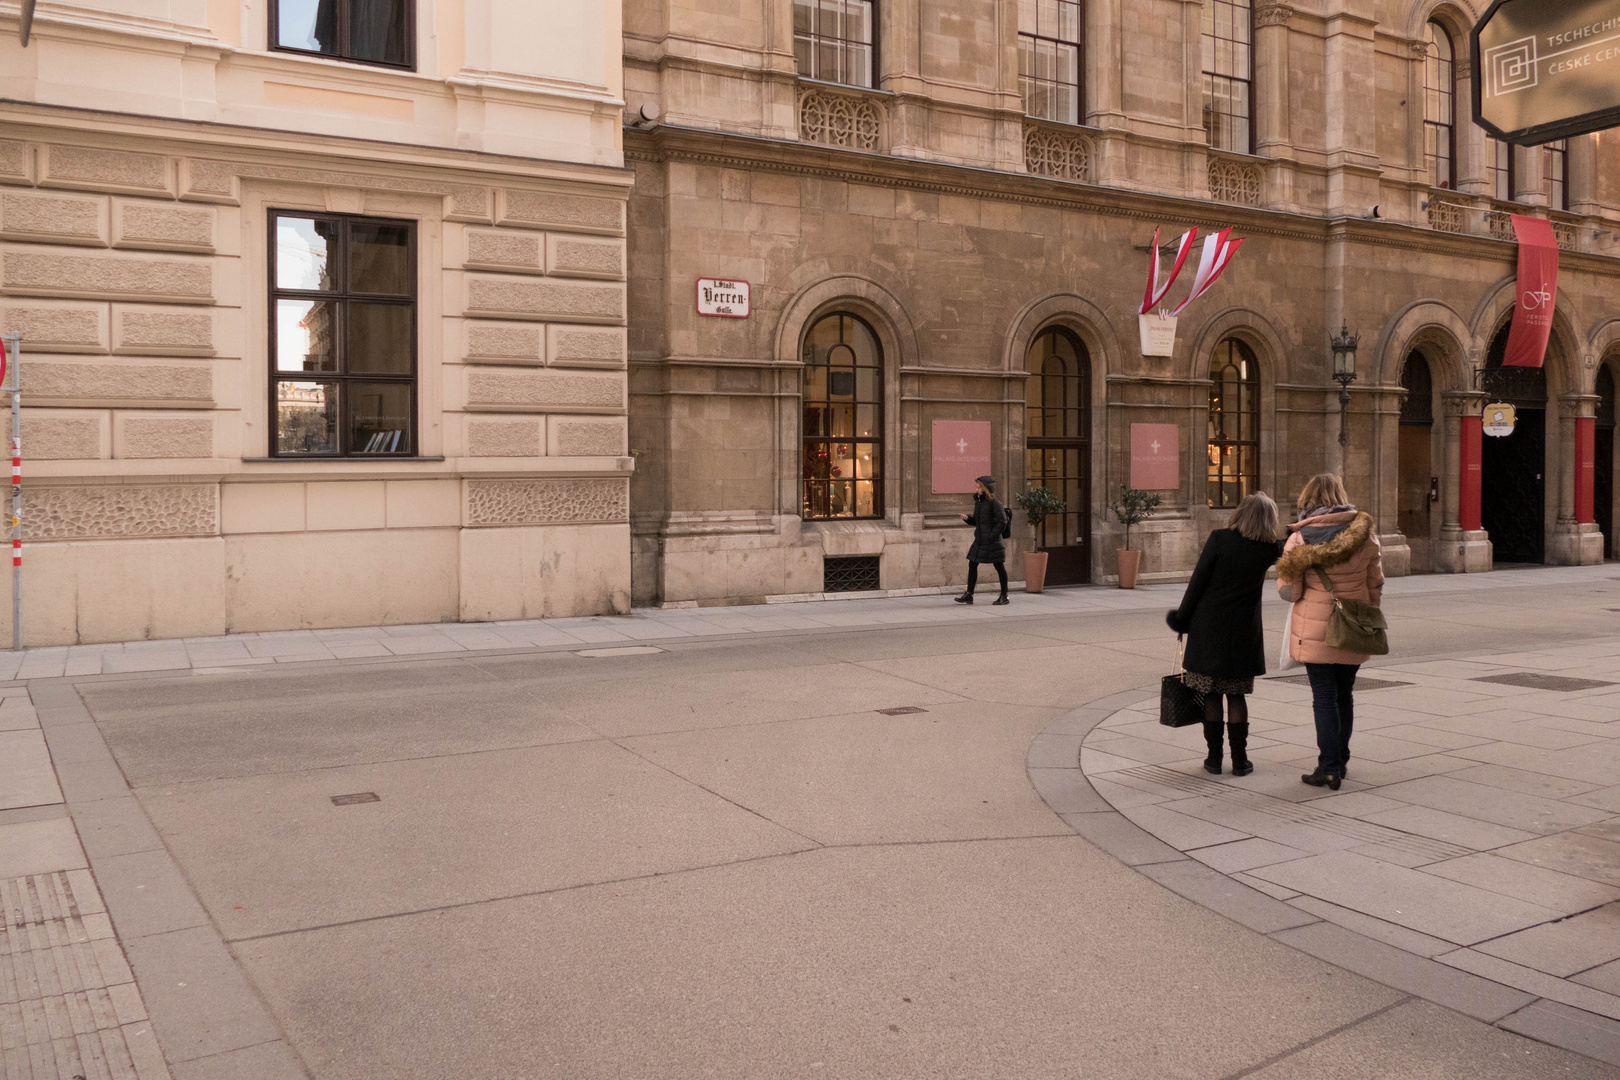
(1585, 469)
(1472, 472)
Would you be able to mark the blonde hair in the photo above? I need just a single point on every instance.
(1325, 489)
(1256, 518)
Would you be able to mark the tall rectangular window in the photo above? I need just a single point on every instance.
(1555, 168)
(343, 336)
(1049, 59)
(1499, 164)
(833, 40)
(366, 31)
(1439, 108)
(1229, 74)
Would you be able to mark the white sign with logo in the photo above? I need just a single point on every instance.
(723, 297)
(1500, 419)
(1158, 334)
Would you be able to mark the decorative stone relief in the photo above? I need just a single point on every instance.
(162, 333)
(118, 382)
(1234, 182)
(14, 160)
(1445, 216)
(1272, 14)
(505, 248)
(571, 256)
(547, 502)
(503, 438)
(49, 327)
(119, 511)
(61, 219)
(165, 437)
(104, 170)
(587, 346)
(547, 208)
(583, 438)
(165, 228)
(107, 276)
(544, 299)
(1567, 235)
(496, 341)
(839, 120)
(544, 390)
(1499, 224)
(1055, 153)
(55, 438)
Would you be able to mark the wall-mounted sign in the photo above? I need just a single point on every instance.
(723, 297)
(1158, 334)
(961, 452)
(1156, 457)
(1499, 419)
(1547, 69)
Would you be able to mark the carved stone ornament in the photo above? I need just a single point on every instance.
(838, 120)
(1446, 216)
(1056, 153)
(1420, 49)
(1273, 15)
(1234, 182)
(547, 502)
(121, 511)
(1462, 68)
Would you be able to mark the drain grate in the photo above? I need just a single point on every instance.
(357, 797)
(1535, 680)
(1361, 684)
(904, 710)
(851, 573)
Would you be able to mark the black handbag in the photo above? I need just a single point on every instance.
(1179, 704)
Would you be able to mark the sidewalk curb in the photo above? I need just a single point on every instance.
(1069, 793)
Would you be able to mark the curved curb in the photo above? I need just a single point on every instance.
(1053, 767)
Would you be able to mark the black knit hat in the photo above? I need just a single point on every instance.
(989, 483)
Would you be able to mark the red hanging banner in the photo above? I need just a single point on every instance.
(1537, 291)
(1469, 492)
(1585, 469)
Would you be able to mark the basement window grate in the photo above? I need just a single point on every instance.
(851, 573)
(1534, 680)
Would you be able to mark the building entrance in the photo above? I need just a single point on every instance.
(1603, 478)
(1417, 462)
(1514, 487)
(1057, 434)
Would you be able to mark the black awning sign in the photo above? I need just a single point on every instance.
(1547, 69)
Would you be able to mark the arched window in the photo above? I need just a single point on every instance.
(1440, 108)
(843, 420)
(1057, 432)
(1228, 72)
(1234, 424)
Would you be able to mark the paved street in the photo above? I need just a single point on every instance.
(693, 843)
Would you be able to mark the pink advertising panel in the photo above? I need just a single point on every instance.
(961, 455)
(1155, 457)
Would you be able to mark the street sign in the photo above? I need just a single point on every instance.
(724, 297)
(1547, 69)
(1500, 419)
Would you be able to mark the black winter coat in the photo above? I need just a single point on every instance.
(1220, 612)
(989, 521)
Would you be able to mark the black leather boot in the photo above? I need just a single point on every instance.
(1238, 734)
(1000, 600)
(965, 598)
(1212, 736)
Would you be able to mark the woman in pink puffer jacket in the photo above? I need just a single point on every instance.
(1334, 538)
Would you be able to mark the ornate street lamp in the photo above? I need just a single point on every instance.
(1344, 373)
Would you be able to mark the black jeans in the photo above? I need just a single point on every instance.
(1335, 708)
(973, 575)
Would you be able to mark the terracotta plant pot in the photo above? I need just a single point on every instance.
(1034, 571)
(1129, 563)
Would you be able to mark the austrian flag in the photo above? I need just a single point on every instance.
(1218, 251)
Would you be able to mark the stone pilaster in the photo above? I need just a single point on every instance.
(1573, 543)
(1460, 551)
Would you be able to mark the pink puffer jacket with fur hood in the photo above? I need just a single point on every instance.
(1354, 562)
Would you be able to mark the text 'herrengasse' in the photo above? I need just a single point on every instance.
(722, 294)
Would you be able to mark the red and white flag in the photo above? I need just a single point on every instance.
(1155, 294)
(1218, 252)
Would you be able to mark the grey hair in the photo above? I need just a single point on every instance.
(1257, 518)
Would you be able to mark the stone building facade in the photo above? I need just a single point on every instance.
(323, 313)
(944, 209)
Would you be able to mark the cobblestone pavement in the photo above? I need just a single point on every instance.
(1478, 827)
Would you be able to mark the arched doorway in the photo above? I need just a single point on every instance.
(1603, 478)
(842, 448)
(1234, 425)
(1057, 443)
(1417, 477)
(1514, 489)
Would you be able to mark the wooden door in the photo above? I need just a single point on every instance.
(1057, 450)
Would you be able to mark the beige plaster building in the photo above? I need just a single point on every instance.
(323, 312)
(943, 208)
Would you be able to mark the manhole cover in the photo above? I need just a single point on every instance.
(1535, 680)
(904, 710)
(1361, 684)
(357, 797)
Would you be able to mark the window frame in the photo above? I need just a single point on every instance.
(1079, 45)
(1235, 348)
(343, 298)
(1207, 75)
(1077, 515)
(878, 441)
(1499, 174)
(342, 54)
(1436, 31)
(872, 45)
(1557, 188)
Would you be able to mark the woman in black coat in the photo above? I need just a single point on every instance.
(1220, 614)
(990, 521)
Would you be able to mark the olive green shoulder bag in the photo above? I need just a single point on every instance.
(1355, 625)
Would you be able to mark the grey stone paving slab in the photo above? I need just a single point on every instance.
(1571, 853)
(1564, 947)
(1530, 783)
(1515, 810)
(39, 847)
(201, 1003)
(1525, 881)
(1452, 828)
(1121, 838)
(1595, 1036)
(1245, 854)
(1605, 977)
(1535, 982)
(26, 778)
(1399, 937)
(1067, 791)
(1231, 898)
(147, 894)
(266, 1061)
(110, 827)
(1180, 830)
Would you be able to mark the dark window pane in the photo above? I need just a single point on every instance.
(306, 418)
(307, 24)
(380, 258)
(306, 335)
(377, 30)
(304, 249)
(380, 418)
(379, 339)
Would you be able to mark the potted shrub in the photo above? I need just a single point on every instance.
(1133, 507)
(1038, 504)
